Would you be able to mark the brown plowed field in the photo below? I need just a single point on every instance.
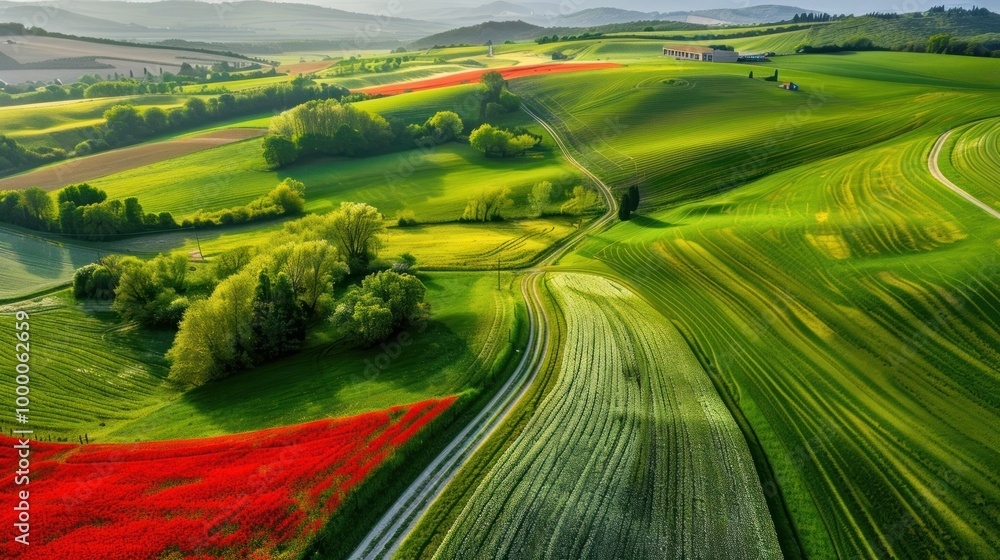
(79, 170)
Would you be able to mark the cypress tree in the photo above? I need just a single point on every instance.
(625, 207)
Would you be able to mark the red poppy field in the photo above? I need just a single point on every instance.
(472, 76)
(254, 495)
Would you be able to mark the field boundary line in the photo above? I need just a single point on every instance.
(392, 529)
(932, 165)
(397, 523)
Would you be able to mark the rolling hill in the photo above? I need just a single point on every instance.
(252, 20)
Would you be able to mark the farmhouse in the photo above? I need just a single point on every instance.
(694, 52)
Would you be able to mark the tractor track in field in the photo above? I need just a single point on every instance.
(932, 165)
(392, 529)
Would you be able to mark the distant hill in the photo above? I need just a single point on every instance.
(767, 13)
(909, 31)
(496, 31)
(245, 21)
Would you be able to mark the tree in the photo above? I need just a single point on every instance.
(214, 338)
(279, 151)
(938, 43)
(493, 84)
(289, 195)
(356, 229)
(155, 119)
(403, 293)
(584, 200)
(313, 268)
(133, 215)
(170, 271)
(277, 327)
(487, 206)
(136, 295)
(123, 123)
(540, 196)
(445, 126)
(633, 197)
(82, 195)
(38, 206)
(232, 261)
(625, 208)
(384, 302)
(369, 318)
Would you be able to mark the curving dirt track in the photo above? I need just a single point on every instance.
(388, 534)
(472, 76)
(79, 170)
(932, 165)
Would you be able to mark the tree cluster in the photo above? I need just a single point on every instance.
(82, 211)
(384, 302)
(811, 17)
(488, 206)
(496, 98)
(498, 142)
(327, 128)
(544, 40)
(16, 157)
(444, 126)
(150, 293)
(286, 199)
(583, 201)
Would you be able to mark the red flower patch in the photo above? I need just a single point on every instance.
(241, 496)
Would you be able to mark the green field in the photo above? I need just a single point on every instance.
(798, 301)
(61, 124)
(30, 264)
(435, 185)
(103, 372)
(625, 456)
(841, 294)
(972, 160)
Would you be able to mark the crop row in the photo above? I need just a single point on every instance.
(632, 454)
(854, 310)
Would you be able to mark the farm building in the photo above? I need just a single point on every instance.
(705, 54)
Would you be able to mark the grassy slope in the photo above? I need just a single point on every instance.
(893, 33)
(29, 264)
(435, 183)
(89, 368)
(100, 371)
(971, 160)
(62, 124)
(843, 301)
(621, 458)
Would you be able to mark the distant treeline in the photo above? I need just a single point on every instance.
(125, 124)
(84, 211)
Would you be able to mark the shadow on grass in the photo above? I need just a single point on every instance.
(651, 223)
(327, 379)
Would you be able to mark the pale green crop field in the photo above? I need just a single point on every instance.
(631, 455)
(848, 300)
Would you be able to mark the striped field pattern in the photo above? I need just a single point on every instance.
(632, 454)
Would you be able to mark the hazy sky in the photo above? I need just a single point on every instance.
(423, 9)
